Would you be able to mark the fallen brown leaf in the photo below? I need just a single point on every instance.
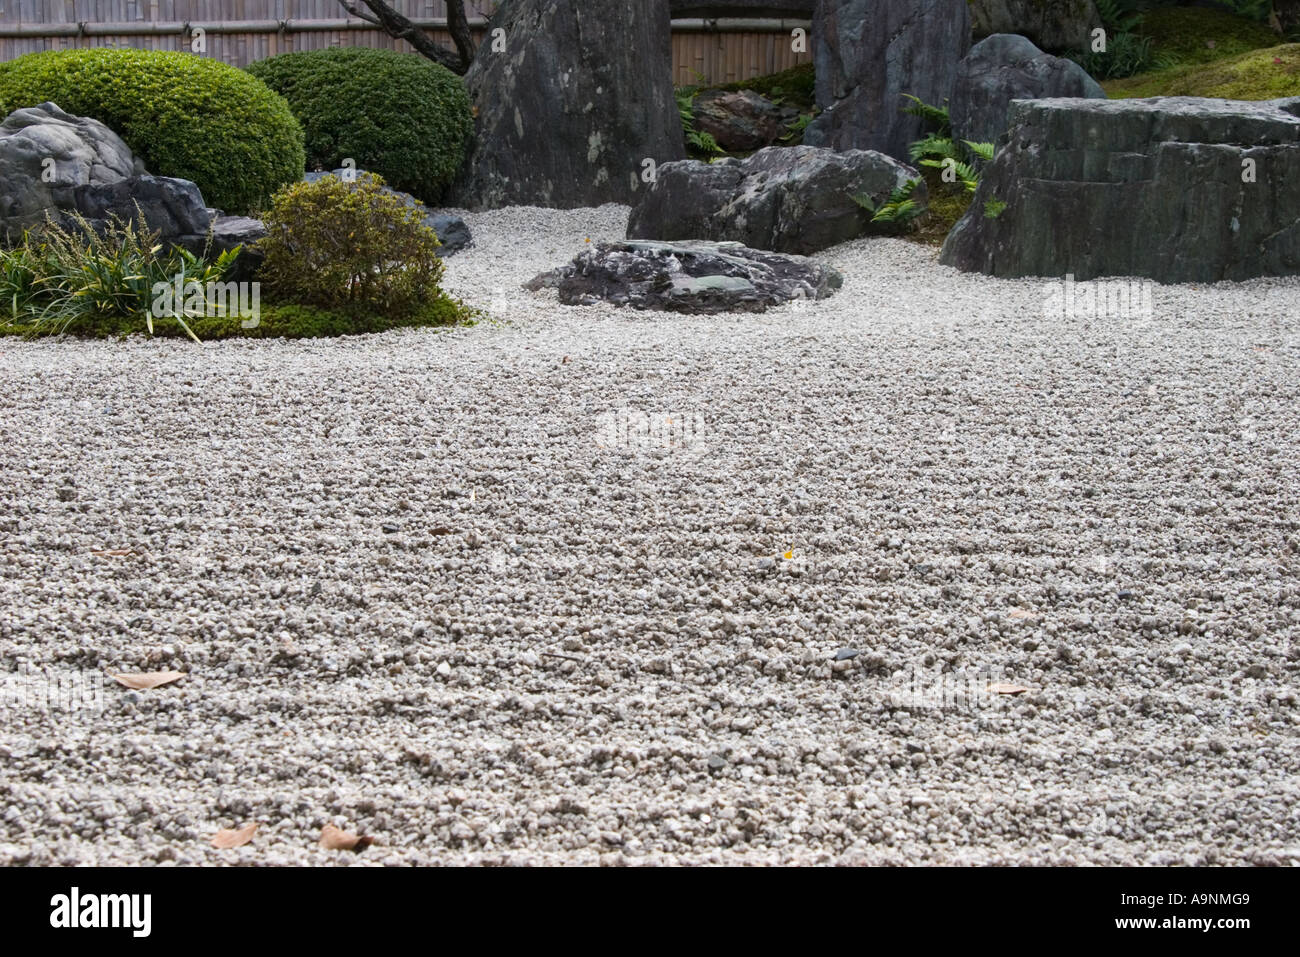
(149, 679)
(234, 838)
(335, 839)
(1002, 687)
(1021, 613)
(442, 530)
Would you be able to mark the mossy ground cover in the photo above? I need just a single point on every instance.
(274, 322)
(1256, 75)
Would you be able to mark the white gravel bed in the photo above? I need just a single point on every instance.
(424, 591)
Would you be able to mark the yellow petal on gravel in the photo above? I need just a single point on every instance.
(228, 838)
(148, 679)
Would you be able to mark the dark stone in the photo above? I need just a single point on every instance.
(717, 762)
(173, 208)
(844, 654)
(742, 120)
(244, 232)
(795, 199)
(1003, 68)
(871, 52)
(691, 277)
(570, 112)
(452, 231)
(1145, 188)
(1053, 25)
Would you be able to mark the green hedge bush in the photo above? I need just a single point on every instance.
(188, 116)
(396, 114)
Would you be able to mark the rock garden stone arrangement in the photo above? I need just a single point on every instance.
(787, 199)
(1176, 189)
(691, 277)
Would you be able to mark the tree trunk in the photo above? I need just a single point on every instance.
(1286, 18)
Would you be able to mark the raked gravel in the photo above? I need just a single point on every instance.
(424, 590)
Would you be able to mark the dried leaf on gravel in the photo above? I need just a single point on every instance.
(234, 838)
(442, 530)
(148, 679)
(1021, 613)
(1002, 687)
(336, 839)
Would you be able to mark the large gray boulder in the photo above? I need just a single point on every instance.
(1007, 67)
(1156, 188)
(869, 53)
(574, 106)
(691, 277)
(1052, 24)
(796, 199)
(45, 155)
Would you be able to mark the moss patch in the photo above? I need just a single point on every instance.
(947, 205)
(275, 322)
(1258, 75)
(1199, 35)
(794, 86)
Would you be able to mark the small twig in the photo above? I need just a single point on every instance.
(556, 654)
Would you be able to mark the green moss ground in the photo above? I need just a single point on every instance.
(276, 322)
(1257, 75)
(1199, 35)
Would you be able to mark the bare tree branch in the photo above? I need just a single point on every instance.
(401, 28)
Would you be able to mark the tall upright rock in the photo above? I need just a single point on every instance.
(871, 52)
(1052, 25)
(572, 99)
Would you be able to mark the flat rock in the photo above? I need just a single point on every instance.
(1157, 188)
(795, 199)
(689, 277)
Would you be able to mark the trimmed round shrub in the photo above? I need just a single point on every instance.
(349, 246)
(187, 116)
(396, 114)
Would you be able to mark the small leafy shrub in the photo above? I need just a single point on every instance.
(188, 116)
(402, 116)
(350, 247)
(75, 279)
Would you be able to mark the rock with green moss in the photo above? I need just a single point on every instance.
(1175, 189)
